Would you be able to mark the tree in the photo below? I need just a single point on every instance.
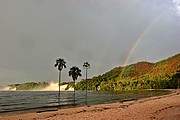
(86, 66)
(175, 81)
(60, 63)
(75, 72)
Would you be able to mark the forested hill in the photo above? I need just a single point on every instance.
(167, 66)
(162, 74)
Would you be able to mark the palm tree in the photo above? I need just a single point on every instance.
(86, 66)
(75, 72)
(60, 63)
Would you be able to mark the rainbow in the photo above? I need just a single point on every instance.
(137, 41)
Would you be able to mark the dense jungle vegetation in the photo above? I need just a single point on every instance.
(164, 74)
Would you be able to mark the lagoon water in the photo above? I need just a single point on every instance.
(12, 101)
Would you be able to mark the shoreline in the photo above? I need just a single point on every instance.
(120, 110)
(41, 109)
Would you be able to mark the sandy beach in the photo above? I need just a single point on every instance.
(165, 107)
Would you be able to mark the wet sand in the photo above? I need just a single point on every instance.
(165, 107)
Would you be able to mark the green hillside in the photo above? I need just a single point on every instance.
(141, 75)
(168, 66)
(29, 86)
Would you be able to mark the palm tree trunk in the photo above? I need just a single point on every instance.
(74, 92)
(86, 86)
(59, 83)
(86, 82)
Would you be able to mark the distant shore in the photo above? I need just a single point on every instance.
(166, 107)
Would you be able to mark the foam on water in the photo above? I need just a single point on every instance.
(55, 87)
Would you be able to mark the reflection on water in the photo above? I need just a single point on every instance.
(24, 100)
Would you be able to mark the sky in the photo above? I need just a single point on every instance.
(105, 33)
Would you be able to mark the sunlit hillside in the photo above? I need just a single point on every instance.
(141, 75)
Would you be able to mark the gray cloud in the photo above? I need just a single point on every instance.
(33, 34)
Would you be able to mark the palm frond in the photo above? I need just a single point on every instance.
(56, 65)
(74, 72)
(60, 63)
(86, 65)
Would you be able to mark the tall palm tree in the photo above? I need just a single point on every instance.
(60, 63)
(86, 66)
(75, 72)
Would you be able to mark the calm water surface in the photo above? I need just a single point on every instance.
(11, 101)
